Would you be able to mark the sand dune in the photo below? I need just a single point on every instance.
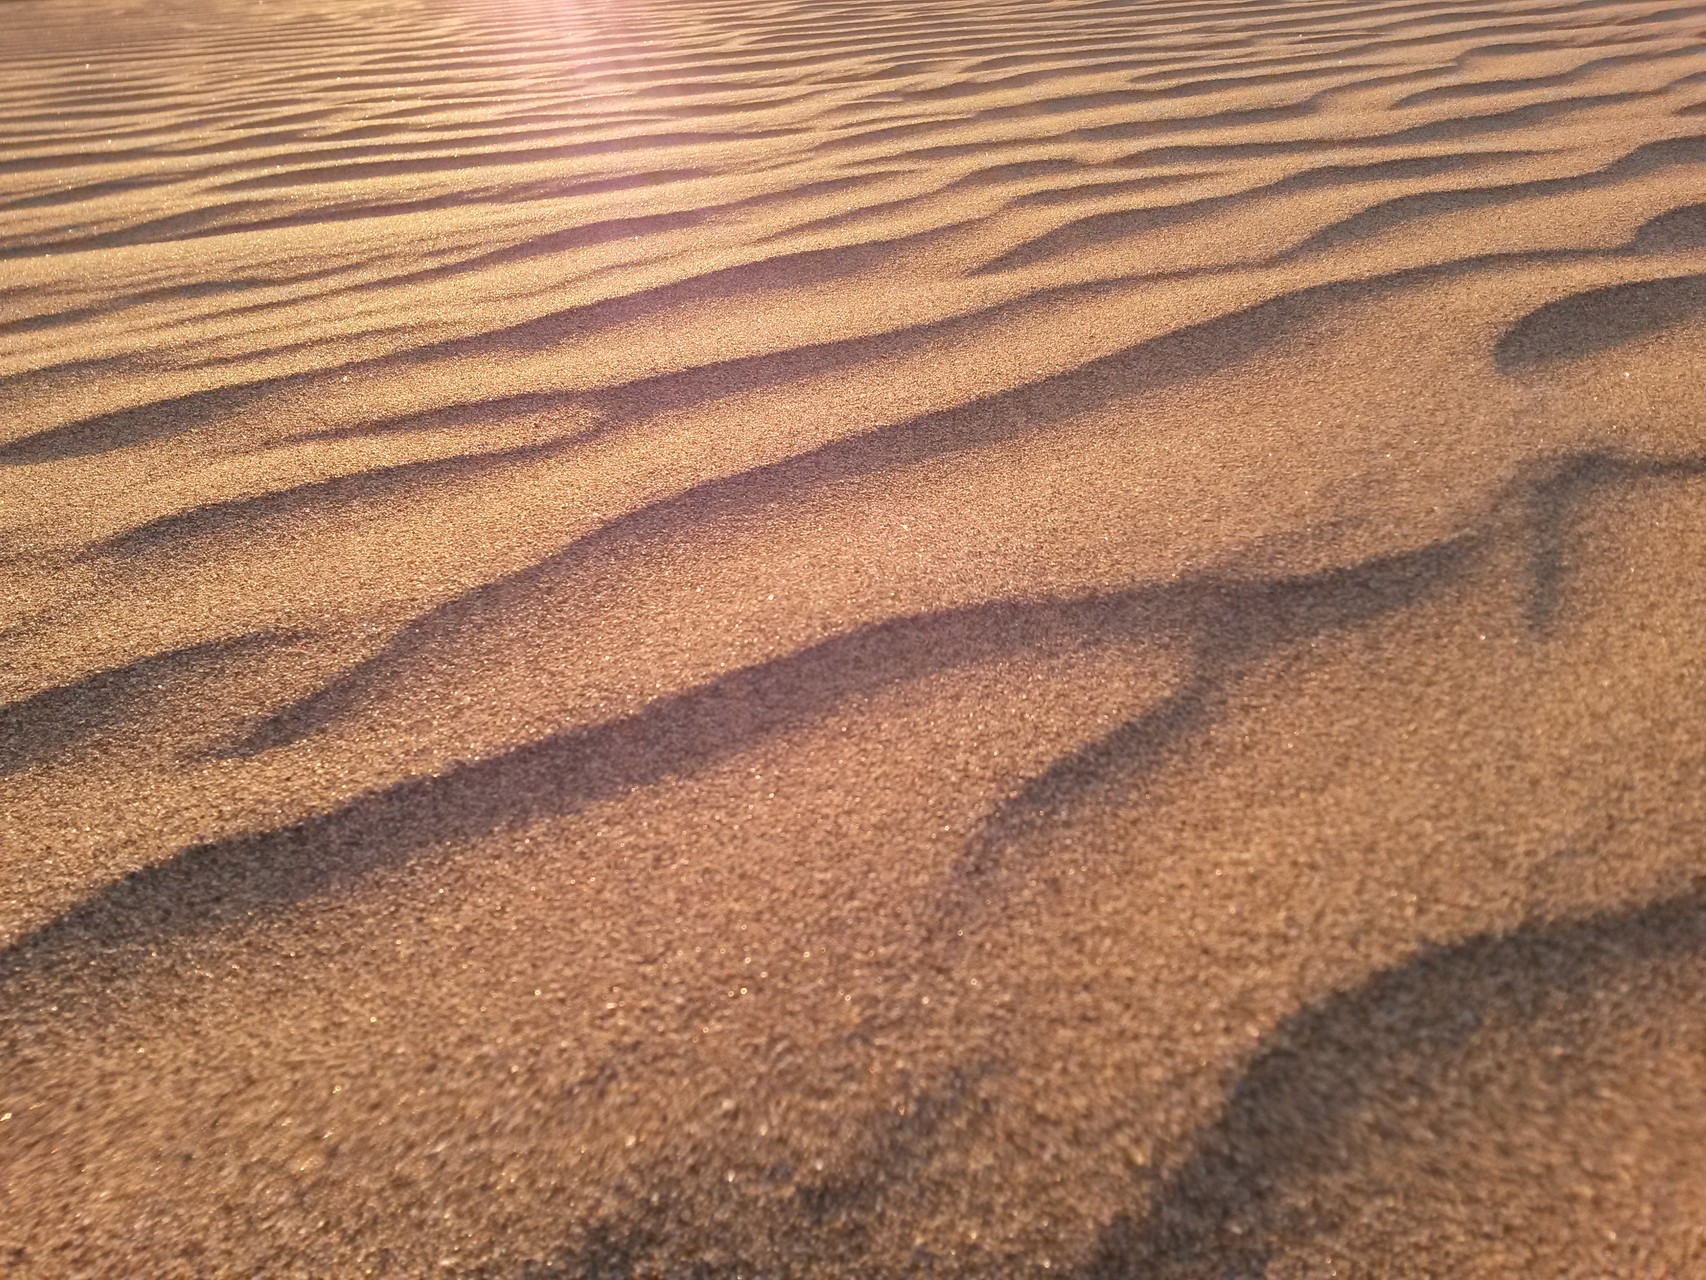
(925, 637)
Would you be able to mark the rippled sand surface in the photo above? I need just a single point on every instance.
(852, 637)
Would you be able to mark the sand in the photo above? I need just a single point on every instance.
(852, 638)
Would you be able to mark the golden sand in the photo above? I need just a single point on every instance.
(852, 638)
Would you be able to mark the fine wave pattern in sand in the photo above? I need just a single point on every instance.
(852, 637)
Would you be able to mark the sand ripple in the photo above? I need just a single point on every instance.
(810, 637)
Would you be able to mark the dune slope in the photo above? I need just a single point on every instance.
(829, 637)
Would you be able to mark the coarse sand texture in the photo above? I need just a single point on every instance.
(852, 638)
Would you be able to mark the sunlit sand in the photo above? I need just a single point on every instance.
(852, 638)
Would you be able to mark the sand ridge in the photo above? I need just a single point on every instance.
(823, 638)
